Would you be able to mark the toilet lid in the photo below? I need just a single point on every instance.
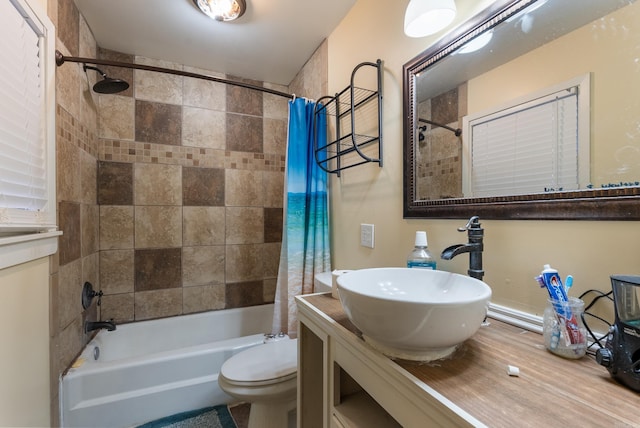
(267, 362)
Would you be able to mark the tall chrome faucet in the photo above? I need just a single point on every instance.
(474, 247)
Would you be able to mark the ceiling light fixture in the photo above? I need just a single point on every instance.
(426, 17)
(222, 10)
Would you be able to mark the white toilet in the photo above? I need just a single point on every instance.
(265, 376)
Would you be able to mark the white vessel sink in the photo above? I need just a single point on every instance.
(414, 314)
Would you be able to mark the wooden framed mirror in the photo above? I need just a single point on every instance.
(533, 47)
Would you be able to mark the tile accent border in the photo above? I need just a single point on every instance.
(133, 151)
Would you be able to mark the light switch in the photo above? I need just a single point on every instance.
(366, 235)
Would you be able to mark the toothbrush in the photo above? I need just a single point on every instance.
(568, 282)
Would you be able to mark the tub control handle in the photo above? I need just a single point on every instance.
(88, 293)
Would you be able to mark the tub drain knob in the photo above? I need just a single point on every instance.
(272, 337)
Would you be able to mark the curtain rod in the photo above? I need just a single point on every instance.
(458, 131)
(61, 59)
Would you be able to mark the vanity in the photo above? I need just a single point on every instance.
(343, 382)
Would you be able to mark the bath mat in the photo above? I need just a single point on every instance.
(209, 417)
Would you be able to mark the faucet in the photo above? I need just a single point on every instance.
(474, 247)
(95, 325)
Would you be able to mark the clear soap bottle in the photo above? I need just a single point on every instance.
(420, 257)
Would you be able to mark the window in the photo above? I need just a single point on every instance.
(27, 133)
(536, 145)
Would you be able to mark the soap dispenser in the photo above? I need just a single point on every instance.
(420, 257)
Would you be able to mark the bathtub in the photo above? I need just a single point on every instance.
(147, 370)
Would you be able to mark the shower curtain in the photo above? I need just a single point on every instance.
(305, 233)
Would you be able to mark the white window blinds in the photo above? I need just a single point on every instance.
(27, 133)
(26, 187)
(532, 147)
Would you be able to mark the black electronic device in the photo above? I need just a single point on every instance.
(621, 354)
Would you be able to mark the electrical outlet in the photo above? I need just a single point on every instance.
(366, 235)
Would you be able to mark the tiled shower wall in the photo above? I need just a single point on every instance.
(190, 188)
(169, 194)
(439, 156)
(77, 259)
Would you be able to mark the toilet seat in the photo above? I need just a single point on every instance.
(266, 364)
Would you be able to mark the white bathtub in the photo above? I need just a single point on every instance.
(151, 369)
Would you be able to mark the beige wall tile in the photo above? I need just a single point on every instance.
(158, 226)
(116, 227)
(244, 263)
(202, 265)
(203, 226)
(66, 345)
(87, 42)
(88, 173)
(243, 188)
(204, 93)
(271, 260)
(275, 106)
(119, 307)
(89, 112)
(203, 128)
(158, 303)
(269, 289)
(312, 79)
(245, 225)
(70, 85)
(273, 189)
(158, 87)
(156, 184)
(67, 161)
(203, 298)
(69, 293)
(69, 244)
(90, 273)
(275, 136)
(116, 117)
(89, 223)
(116, 271)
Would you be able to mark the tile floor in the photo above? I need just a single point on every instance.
(240, 413)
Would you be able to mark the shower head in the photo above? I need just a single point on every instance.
(107, 85)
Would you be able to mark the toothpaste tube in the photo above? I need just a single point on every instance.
(558, 294)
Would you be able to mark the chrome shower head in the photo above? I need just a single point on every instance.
(107, 85)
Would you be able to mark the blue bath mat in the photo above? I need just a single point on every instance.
(209, 417)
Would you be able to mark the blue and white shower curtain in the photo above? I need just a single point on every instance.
(305, 235)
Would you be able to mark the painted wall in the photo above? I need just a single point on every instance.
(515, 251)
(24, 354)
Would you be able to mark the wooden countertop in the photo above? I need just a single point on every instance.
(550, 391)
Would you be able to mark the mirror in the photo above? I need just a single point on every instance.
(534, 45)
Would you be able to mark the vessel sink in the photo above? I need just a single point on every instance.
(414, 314)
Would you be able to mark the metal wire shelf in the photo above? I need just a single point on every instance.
(358, 112)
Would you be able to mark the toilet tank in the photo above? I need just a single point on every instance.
(322, 282)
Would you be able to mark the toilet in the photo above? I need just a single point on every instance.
(265, 376)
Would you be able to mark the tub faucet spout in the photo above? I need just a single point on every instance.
(96, 325)
(474, 247)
